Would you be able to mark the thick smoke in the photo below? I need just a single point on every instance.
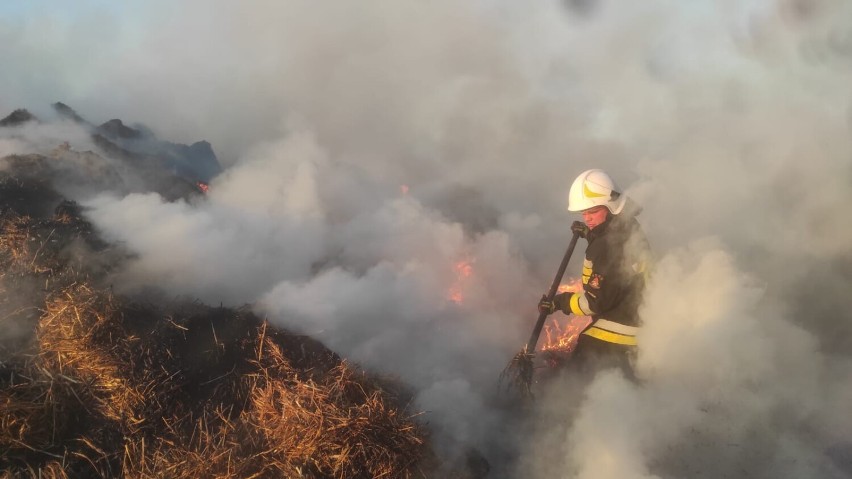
(42, 138)
(397, 184)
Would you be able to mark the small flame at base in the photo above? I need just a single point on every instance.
(562, 332)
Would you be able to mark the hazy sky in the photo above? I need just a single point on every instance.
(386, 157)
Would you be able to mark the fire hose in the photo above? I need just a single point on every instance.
(520, 369)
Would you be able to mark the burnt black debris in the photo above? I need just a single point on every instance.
(115, 128)
(67, 112)
(17, 117)
(193, 163)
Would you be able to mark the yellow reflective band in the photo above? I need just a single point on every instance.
(589, 193)
(610, 337)
(614, 327)
(584, 305)
(587, 271)
(575, 305)
(585, 279)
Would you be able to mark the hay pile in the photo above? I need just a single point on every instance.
(118, 390)
(97, 385)
(121, 390)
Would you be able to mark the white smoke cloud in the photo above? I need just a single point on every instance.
(32, 138)
(729, 121)
(262, 226)
(728, 387)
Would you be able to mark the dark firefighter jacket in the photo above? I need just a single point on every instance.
(614, 271)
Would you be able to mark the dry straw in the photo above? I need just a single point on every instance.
(110, 388)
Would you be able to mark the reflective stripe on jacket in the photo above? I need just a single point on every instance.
(614, 270)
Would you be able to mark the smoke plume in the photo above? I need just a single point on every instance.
(396, 182)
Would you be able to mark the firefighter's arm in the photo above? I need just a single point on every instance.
(573, 303)
(601, 293)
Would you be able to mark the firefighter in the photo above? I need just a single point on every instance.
(614, 272)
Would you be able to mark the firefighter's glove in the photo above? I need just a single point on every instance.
(546, 306)
(580, 229)
(558, 303)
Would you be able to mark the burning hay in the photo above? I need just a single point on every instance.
(116, 391)
(559, 342)
(334, 426)
(39, 255)
(102, 386)
(56, 251)
(71, 335)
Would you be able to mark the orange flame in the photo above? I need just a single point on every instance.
(202, 186)
(561, 332)
(562, 335)
(463, 270)
(573, 285)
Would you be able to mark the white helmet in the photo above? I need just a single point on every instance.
(595, 188)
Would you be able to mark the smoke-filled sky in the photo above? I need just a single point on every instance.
(385, 160)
